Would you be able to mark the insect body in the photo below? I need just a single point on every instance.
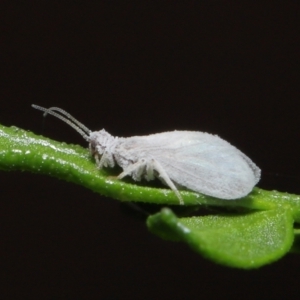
(197, 161)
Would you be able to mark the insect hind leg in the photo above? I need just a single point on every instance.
(166, 179)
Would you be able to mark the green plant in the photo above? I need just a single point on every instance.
(248, 233)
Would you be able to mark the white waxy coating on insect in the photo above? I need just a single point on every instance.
(197, 161)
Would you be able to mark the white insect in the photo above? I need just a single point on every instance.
(198, 161)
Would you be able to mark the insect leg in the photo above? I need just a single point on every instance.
(141, 167)
(163, 174)
(136, 170)
(97, 159)
(105, 161)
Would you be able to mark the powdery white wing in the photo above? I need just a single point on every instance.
(199, 161)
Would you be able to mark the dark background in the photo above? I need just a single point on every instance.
(224, 67)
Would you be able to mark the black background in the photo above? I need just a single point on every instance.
(224, 67)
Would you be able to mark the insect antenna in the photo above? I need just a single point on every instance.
(70, 120)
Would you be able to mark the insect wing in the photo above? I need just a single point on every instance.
(203, 163)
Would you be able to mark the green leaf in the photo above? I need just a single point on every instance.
(25, 151)
(247, 240)
(260, 235)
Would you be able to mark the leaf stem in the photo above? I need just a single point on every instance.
(25, 151)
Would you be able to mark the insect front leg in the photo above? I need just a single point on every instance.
(106, 160)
